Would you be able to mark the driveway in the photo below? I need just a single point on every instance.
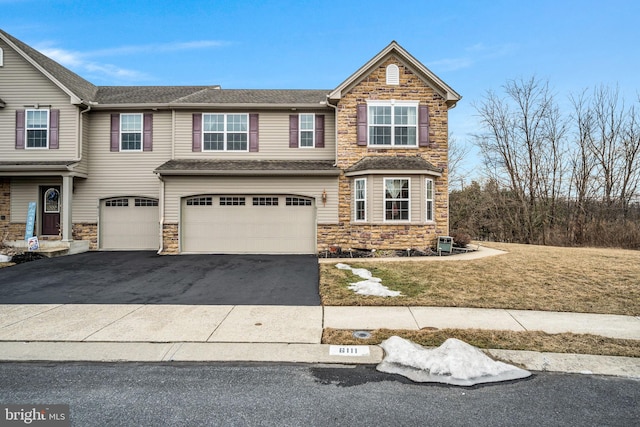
(142, 277)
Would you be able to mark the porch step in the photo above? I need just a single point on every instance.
(52, 252)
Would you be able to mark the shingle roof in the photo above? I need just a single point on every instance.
(248, 167)
(206, 95)
(393, 163)
(76, 84)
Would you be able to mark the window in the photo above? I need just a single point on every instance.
(52, 201)
(232, 201)
(146, 202)
(307, 130)
(360, 199)
(429, 198)
(1, 57)
(297, 201)
(200, 201)
(393, 123)
(116, 202)
(131, 132)
(265, 201)
(37, 128)
(225, 132)
(396, 199)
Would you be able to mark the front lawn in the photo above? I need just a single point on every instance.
(585, 280)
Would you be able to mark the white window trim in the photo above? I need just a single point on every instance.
(384, 201)
(27, 129)
(392, 103)
(225, 132)
(431, 199)
(313, 130)
(356, 200)
(1, 57)
(141, 132)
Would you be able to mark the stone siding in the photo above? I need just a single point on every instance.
(385, 236)
(86, 231)
(170, 239)
(5, 207)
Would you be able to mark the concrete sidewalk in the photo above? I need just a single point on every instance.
(170, 333)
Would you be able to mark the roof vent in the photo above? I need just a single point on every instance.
(393, 75)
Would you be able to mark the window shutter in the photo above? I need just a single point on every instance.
(361, 121)
(423, 131)
(197, 132)
(115, 132)
(20, 129)
(54, 126)
(293, 131)
(319, 130)
(147, 135)
(253, 133)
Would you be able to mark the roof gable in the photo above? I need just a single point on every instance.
(394, 49)
(75, 86)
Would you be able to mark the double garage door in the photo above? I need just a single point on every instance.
(248, 224)
(129, 223)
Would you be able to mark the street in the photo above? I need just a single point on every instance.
(134, 394)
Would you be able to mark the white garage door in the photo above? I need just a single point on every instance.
(129, 223)
(277, 224)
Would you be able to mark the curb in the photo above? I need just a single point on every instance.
(55, 351)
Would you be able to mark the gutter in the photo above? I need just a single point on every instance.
(225, 172)
(207, 106)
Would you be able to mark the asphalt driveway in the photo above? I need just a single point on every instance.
(142, 277)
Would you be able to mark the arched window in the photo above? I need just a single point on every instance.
(52, 201)
(393, 74)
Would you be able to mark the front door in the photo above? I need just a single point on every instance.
(50, 202)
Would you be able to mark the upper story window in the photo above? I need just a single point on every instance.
(131, 132)
(37, 128)
(360, 194)
(393, 123)
(307, 130)
(397, 201)
(1, 57)
(225, 132)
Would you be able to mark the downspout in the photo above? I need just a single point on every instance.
(161, 203)
(335, 128)
(80, 130)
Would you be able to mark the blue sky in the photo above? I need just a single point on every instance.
(474, 46)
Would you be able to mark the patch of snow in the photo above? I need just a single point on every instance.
(370, 286)
(5, 258)
(454, 362)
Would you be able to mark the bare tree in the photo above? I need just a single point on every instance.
(457, 154)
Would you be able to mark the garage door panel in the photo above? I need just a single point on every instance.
(248, 228)
(125, 224)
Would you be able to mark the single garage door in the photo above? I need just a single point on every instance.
(129, 223)
(273, 224)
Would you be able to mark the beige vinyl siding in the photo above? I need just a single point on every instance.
(273, 133)
(83, 166)
(416, 188)
(178, 187)
(115, 174)
(25, 190)
(21, 84)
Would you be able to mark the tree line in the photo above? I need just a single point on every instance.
(550, 176)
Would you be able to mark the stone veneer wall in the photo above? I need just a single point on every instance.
(5, 207)
(170, 239)
(380, 235)
(86, 231)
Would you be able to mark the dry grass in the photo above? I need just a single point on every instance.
(507, 340)
(6, 264)
(586, 280)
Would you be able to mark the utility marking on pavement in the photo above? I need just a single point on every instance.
(349, 350)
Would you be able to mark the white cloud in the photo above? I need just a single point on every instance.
(476, 53)
(83, 61)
